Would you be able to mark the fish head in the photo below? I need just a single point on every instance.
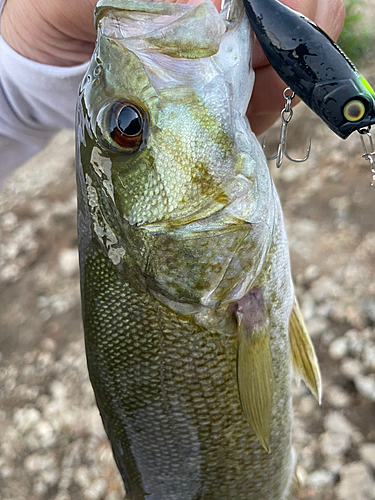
(163, 108)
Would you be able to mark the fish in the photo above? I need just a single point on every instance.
(192, 330)
(313, 66)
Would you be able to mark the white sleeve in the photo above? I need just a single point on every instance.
(36, 100)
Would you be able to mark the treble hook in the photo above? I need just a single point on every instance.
(369, 156)
(286, 115)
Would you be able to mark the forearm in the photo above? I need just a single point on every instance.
(36, 101)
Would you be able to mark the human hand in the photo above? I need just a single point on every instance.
(61, 33)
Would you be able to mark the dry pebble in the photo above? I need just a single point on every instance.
(366, 386)
(356, 482)
(338, 348)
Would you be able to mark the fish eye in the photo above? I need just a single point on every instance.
(354, 110)
(121, 126)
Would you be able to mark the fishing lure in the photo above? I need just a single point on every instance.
(315, 68)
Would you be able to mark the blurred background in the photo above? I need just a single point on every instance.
(52, 445)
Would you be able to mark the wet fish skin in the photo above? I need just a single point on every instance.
(184, 261)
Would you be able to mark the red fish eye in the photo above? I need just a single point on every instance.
(128, 128)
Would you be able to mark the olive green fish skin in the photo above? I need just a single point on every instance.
(171, 238)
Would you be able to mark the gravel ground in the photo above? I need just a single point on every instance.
(52, 442)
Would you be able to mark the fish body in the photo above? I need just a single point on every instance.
(313, 66)
(185, 275)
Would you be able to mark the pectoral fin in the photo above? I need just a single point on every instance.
(304, 359)
(255, 378)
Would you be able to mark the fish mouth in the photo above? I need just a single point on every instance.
(230, 12)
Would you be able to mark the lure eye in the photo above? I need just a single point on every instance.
(354, 110)
(121, 126)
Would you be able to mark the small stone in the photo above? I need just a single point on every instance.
(355, 483)
(369, 357)
(368, 306)
(58, 390)
(82, 477)
(312, 273)
(26, 418)
(355, 342)
(334, 463)
(48, 344)
(45, 433)
(68, 261)
(324, 288)
(333, 443)
(337, 397)
(336, 422)
(367, 453)
(351, 368)
(338, 348)
(96, 489)
(316, 326)
(308, 307)
(36, 462)
(320, 479)
(6, 471)
(365, 386)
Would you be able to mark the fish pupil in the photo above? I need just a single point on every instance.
(129, 121)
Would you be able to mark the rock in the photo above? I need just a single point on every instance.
(351, 368)
(365, 386)
(355, 483)
(337, 397)
(311, 273)
(338, 348)
(355, 343)
(82, 477)
(96, 489)
(336, 422)
(368, 306)
(320, 478)
(26, 418)
(334, 463)
(308, 307)
(325, 288)
(68, 261)
(316, 326)
(37, 462)
(334, 443)
(367, 454)
(368, 356)
(58, 390)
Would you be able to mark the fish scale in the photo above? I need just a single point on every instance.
(170, 415)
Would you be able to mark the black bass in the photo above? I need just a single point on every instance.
(191, 326)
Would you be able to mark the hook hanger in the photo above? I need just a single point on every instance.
(286, 116)
(369, 156)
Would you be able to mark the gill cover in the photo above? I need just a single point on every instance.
(313, 66)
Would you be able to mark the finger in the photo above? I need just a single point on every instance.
(330, 16)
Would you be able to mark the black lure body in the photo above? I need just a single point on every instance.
(313, 66)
